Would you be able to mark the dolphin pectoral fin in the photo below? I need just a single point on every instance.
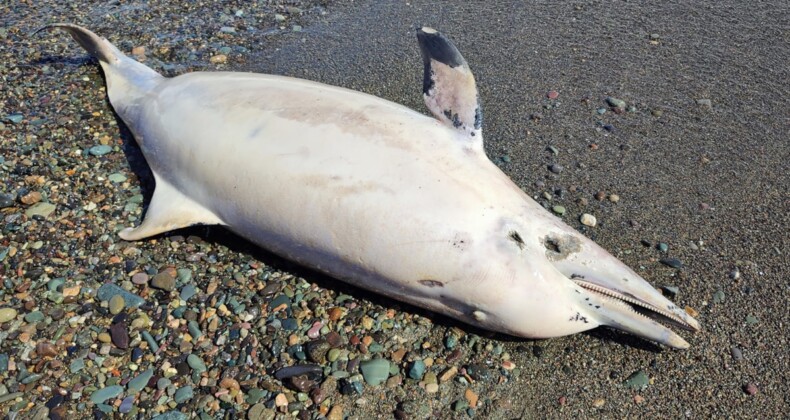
(449, 87)
(169, 210)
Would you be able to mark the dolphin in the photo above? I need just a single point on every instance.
(374, 193)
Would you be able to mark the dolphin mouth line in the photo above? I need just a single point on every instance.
(636, 305)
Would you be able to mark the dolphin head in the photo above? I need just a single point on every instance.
(559, 282)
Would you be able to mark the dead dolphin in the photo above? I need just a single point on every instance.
(373, 193)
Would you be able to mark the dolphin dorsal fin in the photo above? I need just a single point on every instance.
(449, 87)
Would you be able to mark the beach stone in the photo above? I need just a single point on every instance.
(120, 335)
(100, 150)
(260, 412)
(126, 405)
(104, 394)
(588, 220)
(116, 304)
(417, 370)
(164, 281)
(139, 382)
(171, 415)
(117, 177)
(375, 371)
(42, 209)
(7, 314)
(705, 103)
(6, 200)
(560, 210)
(556, 168)
(108, 290)
(33, 317)
(196, 363)
(637, 380)
(187, 292)
(183, 394)
(615, 102)
(750, 389)
(671, 262)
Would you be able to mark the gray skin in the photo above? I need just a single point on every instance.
(374, 194)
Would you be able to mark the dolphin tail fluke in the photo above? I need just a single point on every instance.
(126, 78)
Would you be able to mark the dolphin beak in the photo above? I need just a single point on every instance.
(613, 294)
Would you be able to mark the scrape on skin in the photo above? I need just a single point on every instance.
(560, 247)
(431, 283)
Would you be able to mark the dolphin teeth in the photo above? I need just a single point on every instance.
(635, 304)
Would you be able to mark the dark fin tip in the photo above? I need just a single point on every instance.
(435, 46)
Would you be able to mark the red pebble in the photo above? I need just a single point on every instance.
(553, 94)
(750, 388)
(563, 400)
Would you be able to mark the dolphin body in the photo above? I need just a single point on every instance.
(373, 193)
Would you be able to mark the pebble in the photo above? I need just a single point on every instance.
(120, 335)
(375, 371)
(33, 317)
(164, 281)
(737, 354)
(171, 415)
(100, 150)
(108, 290)
(560, 210)
(138, 383)
(260, 412)
(672, 290)
(117, 177)
(471, 397)
(116, 304)
(704, 103)
(183, 394)
(552, 94)
(126, 405)
(336, 413)
(751, 320)
(417, 370)
(637, 380)
(671, 262)
(588, 220)
(750, 389)
(42, 209)
(104, 394)
(556, 168)
(219, 59)
(615, 102)
(663, 247)
(196, 363)
(6, 200)
(7, 314)
(718, 296)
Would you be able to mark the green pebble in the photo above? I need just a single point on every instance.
(35, 316)
(417, 370)
(139, 383)
(100, 150)
(333, 354)
(183, 394)
(7, 314)
(375, 371)
(54, 284)
(77, 365)
(117, 177)
(104, 394)
(116, 304)
(663, 247)
(560, 210)
(171, 415)
(196, 363)
(150, 340)
(194, 329)
(637, 380)
(751, 319)
(718, 297)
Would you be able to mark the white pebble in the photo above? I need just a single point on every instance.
(588, 220)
